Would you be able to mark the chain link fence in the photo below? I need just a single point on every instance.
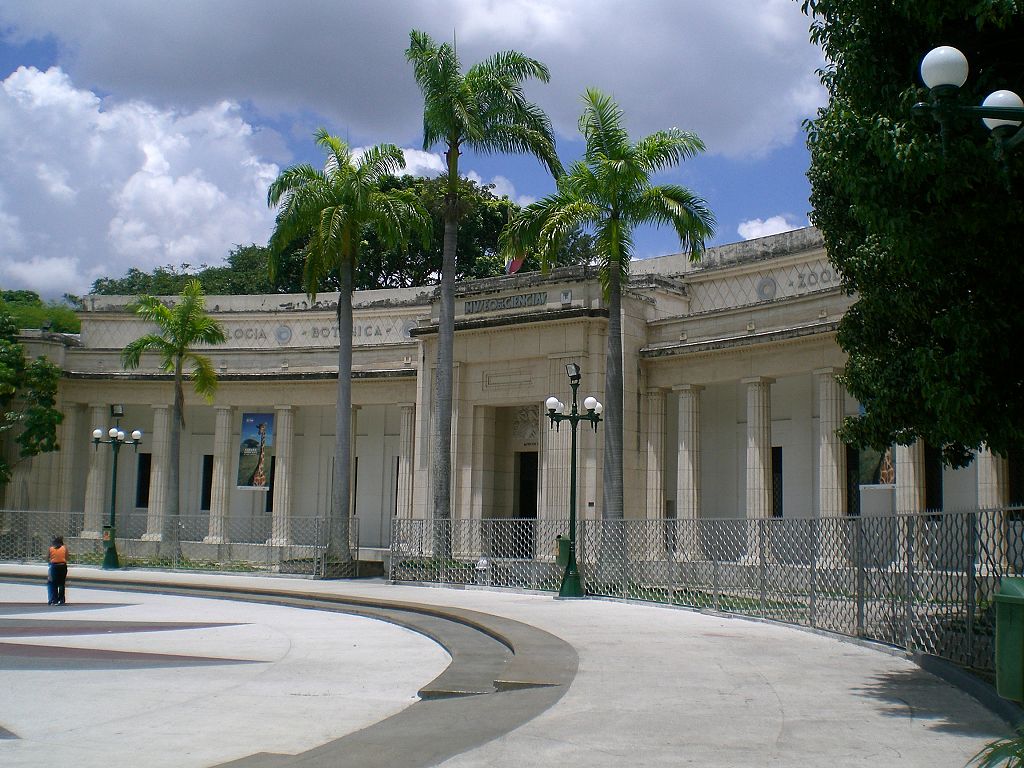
(296, 545)
(921, 582)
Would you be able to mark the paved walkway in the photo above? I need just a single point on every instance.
(119, 678)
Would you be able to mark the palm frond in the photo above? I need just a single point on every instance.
(665, 149)
(203, 375)
(601, 125)
(681, 209)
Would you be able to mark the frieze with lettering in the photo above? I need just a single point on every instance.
(519, 301)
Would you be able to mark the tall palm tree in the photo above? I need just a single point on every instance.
(608, 193)
(486, 111)
(180, 327)
(327, 210)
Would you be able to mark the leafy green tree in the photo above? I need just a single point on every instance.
(483, 217)
(484, 110)
(28, 392)
(925, 237)
(328, 210)
(609, 194)
(180, 327)
(28, 310)
(245, 273)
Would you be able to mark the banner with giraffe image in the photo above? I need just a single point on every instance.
(255, 451)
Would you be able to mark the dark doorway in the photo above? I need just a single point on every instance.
(517, 537)
(526, 472)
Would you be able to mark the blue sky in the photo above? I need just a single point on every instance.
(137, 133)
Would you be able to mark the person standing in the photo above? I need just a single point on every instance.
(55, 582)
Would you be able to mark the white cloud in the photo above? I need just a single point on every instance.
(420, 163)
(740, 74)
(92, 187)
(773, 225)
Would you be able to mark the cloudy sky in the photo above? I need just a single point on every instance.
(139, 133)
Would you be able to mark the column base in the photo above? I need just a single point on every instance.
(214, 540)
(152, 537)
(90, 535)
(278, 542)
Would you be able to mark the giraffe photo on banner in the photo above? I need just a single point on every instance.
(256, 451)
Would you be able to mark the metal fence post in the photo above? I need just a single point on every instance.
(714, 583)
(861, 577)
(670, 556)
(910, 528)
(971, 581)
(816, 523)
(762, 565)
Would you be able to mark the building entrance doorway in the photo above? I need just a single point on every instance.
(517, 537)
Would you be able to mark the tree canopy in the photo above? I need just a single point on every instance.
(923, 231)
(28, 392)
(246, 270)
(28, 310)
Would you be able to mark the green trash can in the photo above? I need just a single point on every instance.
(1010, 639)
(564, 547)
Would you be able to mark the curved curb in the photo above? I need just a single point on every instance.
(503, 674)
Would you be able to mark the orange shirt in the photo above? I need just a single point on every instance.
(59, 555)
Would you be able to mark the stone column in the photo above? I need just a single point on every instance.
(831, 451)
(654, 414)
(219, 493)
(910, 497)
(99, 470)
(993, 494)
(655, 407)
(406, 455)
(72, 434)
(284, 431)
(909, 461)
(834, 541)
(759, 459)
(759, 447)
(688, 486)
(160, 472)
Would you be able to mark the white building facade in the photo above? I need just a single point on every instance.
(731, 401)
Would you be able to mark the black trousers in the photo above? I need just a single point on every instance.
(55, 583)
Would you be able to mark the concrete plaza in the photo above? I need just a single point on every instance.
(121, 677)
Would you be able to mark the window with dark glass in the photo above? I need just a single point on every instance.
(270, 486)
(145, 465)
(207, 486)
(932, 479)
(776, 481)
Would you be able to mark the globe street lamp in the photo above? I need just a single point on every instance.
(558, 412)
(115, 439)
(944, 70)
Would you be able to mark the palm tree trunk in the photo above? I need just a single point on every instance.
(612, 499)
(338, 542)
(613, 546)
(442, 454)
(170, 544)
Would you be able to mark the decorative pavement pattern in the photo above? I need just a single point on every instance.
(37, 656)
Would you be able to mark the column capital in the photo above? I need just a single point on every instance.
(831, 370)
(688, 388)
(284, 407)
(217, 407)
(757, 380)
(406, 405)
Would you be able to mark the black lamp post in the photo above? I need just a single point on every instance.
(944, 70)
(115, 439)
(557, 412)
